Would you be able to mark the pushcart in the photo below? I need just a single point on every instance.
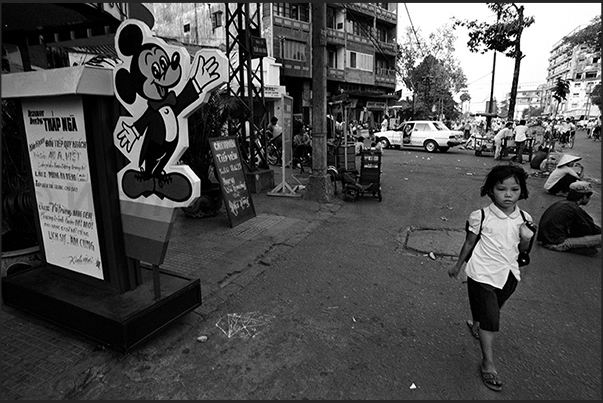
(369, 179)
(484, 145)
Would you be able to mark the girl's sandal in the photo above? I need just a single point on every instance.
(474, 330)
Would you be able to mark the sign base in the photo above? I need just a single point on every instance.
(119, 321)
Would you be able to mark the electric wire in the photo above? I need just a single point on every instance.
(414, 31)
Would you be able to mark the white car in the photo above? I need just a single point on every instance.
(428, 134)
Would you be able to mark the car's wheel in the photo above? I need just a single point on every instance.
(444, 149)
(431, 146)
(384, 142)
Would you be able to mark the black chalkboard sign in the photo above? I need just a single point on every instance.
(229, 168)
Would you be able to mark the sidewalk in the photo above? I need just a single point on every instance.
(44, 361)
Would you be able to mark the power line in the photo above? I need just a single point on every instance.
(413, 30)
(484, 76)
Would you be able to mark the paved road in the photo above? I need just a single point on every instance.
(353, 312)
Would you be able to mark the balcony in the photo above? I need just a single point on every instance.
(385, 77)
(385, 15)
(290, 23)
(359, 39)
(335, 37)
(389, 48)
(365, 8)
(335, 74)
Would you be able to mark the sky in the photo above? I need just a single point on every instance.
(552, 22)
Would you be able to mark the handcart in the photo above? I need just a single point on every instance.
(369, 179)
(483, 145)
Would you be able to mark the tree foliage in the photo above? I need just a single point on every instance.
(560, 91)
(433, 57)
(595, 96)
(503, 36)
(589, 36)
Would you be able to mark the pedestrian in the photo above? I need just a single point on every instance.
(384, 123)
(496, 234)
(520, 141)
(502, 134)
(467, 130)
(273, 130)
(565, 226)
(568, 170)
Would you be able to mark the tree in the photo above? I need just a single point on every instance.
(503, 36)
(595, 96)
(560, 92)
(413, 51)
(504, 108)
(588, 36)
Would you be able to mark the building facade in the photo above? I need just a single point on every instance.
(529, 95)
(361, 48)
(582, 69)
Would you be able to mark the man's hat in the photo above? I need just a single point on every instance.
(581, 187)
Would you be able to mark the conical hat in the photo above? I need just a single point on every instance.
(567, 158)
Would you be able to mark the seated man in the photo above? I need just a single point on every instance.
(566, 172)
(302, 149)
(564, 226)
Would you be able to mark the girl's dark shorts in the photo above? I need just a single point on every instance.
(486, 301)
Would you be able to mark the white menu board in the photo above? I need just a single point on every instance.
(57, 146)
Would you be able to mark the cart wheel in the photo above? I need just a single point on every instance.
(379, 194)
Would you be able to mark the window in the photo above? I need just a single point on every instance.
(293, 50)
(358, 28)
(330, 18)
(596, 59)
(578, 76)
(216, 19)
(422, 127)
(591, 74)
(353, 60)
(295, 11)
(361, 61)
(187, 28)
(332, 62)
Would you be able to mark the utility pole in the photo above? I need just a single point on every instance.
(491, 104)
(320, 187)
(518, 57)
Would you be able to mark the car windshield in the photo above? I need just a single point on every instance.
(440, 126)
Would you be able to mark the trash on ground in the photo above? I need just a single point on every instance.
(413, 386)
(470, 173)
(432, 256)
(202, 339)
(243, 325)
(443, 218)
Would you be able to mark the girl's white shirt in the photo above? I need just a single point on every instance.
(496, 252)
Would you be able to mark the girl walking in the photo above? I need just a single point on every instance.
(493, 243)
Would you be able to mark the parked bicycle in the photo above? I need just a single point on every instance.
(274, 151)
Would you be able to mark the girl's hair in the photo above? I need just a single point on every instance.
(501, 172)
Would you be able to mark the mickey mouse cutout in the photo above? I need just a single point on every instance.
(158, 87)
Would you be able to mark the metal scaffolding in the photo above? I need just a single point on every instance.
(246, 79)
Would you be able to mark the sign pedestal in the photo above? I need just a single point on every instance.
(86, 283)
(120, 321)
